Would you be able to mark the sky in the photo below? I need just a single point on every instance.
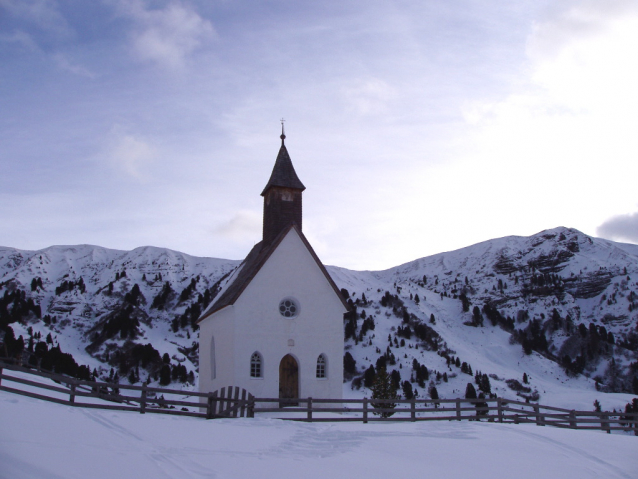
(416, 127)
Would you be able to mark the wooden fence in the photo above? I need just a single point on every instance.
(228, 402)
(235, 402)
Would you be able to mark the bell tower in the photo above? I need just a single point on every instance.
(282, 195)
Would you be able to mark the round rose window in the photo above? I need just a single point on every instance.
(288, 308)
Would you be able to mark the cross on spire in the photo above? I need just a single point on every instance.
(283, 135)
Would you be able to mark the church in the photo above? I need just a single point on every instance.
(276, 327)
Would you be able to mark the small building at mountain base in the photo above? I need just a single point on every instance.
(276, 327)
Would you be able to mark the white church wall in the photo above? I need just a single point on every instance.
(291, 271)
(219, 327)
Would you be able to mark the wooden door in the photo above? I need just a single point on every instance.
(288, 380)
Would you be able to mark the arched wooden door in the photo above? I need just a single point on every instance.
(288, 380)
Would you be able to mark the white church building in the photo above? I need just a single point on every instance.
(276, 327)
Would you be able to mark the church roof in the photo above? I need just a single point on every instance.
(283, 173)
(254, 262)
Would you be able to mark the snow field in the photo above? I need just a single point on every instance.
(45, 440)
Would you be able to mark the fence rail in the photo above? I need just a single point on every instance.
(234, 402)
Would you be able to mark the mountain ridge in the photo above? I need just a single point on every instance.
(531, 296)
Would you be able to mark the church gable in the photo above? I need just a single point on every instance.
(255, 261)
(292, 267)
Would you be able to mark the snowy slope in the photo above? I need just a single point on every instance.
(45, 440)
(108, 275)
(587, 281)
(594, 270)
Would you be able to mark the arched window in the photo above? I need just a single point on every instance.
(256, 365)
(213, 373)
(321, 367)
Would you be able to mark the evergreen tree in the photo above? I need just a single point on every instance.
(384, 394)
(165, 375)
(481, 405)
(368, 376)
(349, 364)
(477, 317)
(470, 392)
(408, 393)
(395, 378)
(434, 394)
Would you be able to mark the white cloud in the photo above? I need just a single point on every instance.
(244, 225)
(586, 59)
(65, 64)
(167, 36)
(21, 38)
(132, 155)
(560, 147)
(370, 96)
(42, 13)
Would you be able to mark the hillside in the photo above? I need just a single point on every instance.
(557, 309)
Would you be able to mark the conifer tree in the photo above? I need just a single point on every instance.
(369, 376)
(470, 392)
(434, 394)
(165, 375)
(349, 364)
(407, 390)
(384, 392)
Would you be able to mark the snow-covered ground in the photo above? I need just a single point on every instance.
(44, 440)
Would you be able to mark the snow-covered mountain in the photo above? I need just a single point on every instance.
(558, 309)
(98, 304)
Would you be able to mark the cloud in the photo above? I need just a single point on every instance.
(565, 127)
(22, 39)
(132, 154)
(584, 58)
(166, 36)
(574, 21)
(620, 228)
(65, 64)
(369, 96)
(44, 14)
(244, 225)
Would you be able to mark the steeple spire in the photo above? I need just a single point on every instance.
(283, 173)
(282, 194)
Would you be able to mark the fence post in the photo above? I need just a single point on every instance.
(572, 419)
(413, 409)
(604, 424)
(72, 393)
(143, 398)
(309, 409)
(539, 419)
(210, 408)
(365, 410)
(499, 403)
(251, 406)
(458, 409)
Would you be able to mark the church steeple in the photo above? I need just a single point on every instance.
(282, 195)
